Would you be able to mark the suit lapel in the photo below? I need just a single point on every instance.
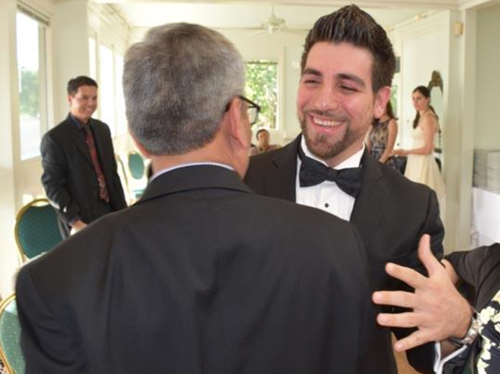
(370, 203)
(77, 138)
(278, 184)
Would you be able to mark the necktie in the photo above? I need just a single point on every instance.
(313, 172)
(103, 189)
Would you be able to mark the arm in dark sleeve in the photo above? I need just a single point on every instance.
(48, 345)
(434, 227)
(422, 357)
(119, 201)
(479, 268)
(54, 179)
(104, 139)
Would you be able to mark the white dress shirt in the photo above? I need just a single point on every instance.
(327, 195)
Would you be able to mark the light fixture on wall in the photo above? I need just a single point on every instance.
(458, 28)
(420, 16)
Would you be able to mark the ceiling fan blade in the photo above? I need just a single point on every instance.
(257, 32)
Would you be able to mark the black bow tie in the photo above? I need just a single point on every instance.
(313, 172)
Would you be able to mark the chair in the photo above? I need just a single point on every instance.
(137, 169)
(36, 230)
(10, 337)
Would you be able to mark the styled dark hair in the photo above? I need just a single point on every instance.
(352, 25)
(75, 83)
(177, 83)
(427, 94)
(258, 132)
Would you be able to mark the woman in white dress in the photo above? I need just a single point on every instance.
(421, 166)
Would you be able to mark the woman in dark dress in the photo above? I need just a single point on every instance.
(382, 136)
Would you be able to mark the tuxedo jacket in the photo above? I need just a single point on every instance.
(391, 214)
(200, 276)
(69, 177)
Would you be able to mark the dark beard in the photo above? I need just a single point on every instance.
(321, 148)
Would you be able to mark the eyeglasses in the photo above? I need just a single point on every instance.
(253, 109)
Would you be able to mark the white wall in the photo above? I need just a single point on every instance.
(8, 119)
(487, 124)
(420, 57)
(423, 47)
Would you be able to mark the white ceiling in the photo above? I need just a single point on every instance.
(251, 15)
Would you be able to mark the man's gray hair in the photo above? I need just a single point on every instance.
(177, 85)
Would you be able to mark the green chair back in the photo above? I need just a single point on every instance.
(136, 165)
(10, 337)
(36, 228)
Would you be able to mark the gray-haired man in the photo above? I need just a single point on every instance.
(201, 275)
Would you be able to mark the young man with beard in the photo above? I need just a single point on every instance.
(346, 73)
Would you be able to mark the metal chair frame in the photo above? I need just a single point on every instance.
(3, 305)
(22, 256)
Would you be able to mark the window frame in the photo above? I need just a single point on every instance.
(45, 99)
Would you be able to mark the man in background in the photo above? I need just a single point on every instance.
(201, 275)
(346, 74)
(78, 160)
(263, 143)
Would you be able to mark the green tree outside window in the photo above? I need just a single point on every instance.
(262, 87)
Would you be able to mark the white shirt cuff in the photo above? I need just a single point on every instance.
(438, 362)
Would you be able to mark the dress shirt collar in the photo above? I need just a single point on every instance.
(352, 162)
(79, 124)
(164, 171)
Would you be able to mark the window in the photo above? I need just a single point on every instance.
(121, 119)
(106, 67)
(106, 87)
(262, 87)
(31, 34)
(92, 58)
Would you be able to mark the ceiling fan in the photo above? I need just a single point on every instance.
(273, 24)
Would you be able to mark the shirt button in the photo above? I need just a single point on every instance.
(327, 205)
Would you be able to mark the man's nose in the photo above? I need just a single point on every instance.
(326, 98)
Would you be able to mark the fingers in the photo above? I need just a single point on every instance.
(404, 320)
(427, 257)
(413, 340)
(394, 298)
(407, 275)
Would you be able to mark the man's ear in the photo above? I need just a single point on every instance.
(236, 124)
(381, 99)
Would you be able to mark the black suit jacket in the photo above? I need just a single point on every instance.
(69, 178)
(200, 276)
(391, 214)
